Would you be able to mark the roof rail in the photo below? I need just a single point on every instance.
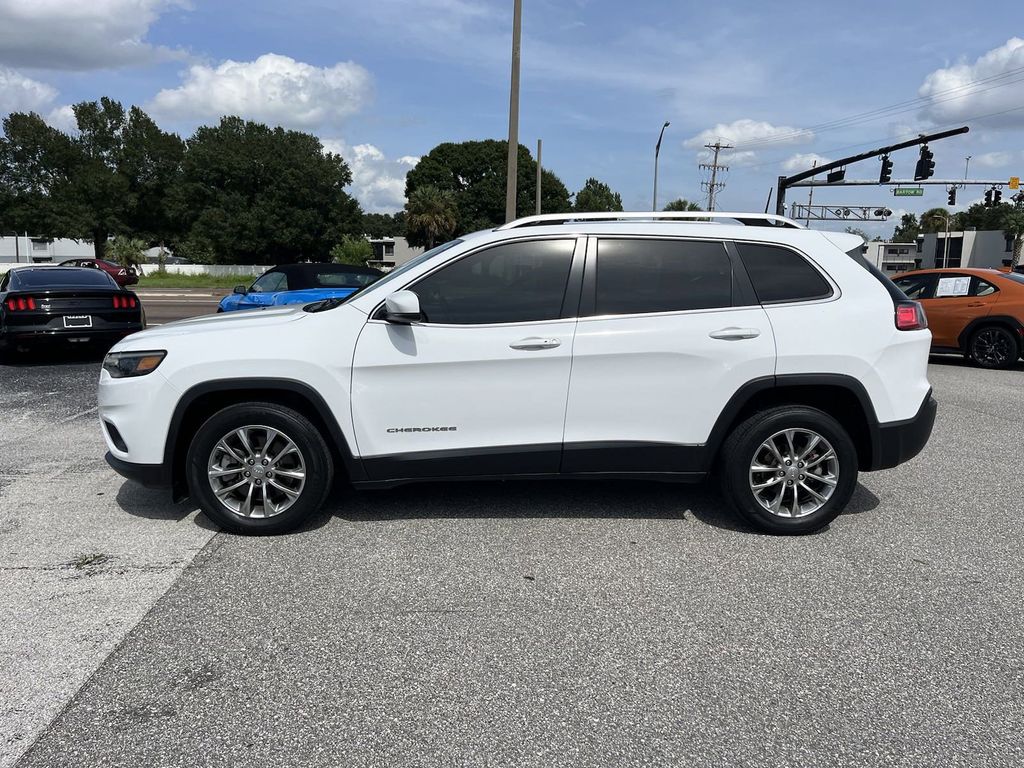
(749, 219)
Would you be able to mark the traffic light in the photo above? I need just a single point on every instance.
(997, 197)
(988, 197)
(886, 174)
(925, 164)
(952, 196)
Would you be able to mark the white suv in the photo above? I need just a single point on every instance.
(651, 346)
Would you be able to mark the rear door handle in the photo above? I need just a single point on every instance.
(976, 304)
(735, 334)
(535, 342)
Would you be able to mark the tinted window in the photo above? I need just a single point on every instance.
(344, 279)
(639, 276)
(57, 277)
(917, 287)
(779, 274)
(982, 288)
(513, 283)
(271, 282)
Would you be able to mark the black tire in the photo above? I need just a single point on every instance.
(742, 446)
(319, 466)
(993, 346)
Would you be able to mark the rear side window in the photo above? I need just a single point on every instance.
(642, 276)
(512, 283)
(780, 275)
(344, 279)
(917, 287)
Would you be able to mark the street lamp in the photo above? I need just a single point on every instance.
(657, 151)
(945, 255)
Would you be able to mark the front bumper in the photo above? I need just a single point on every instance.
(900, 441)
(149, 475)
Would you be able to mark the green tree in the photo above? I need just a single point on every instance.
(682, 205)
(111, 178)
(352, 249)
(378, 225)
(981, 218)
(127, 251)
(431, 216)
(907, 230)
(597, 197)
(934, 220)
(474, 172)
(859, 232)
(253, 194)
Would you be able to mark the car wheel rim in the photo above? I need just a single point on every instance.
(992, 347)
(256, 471)
(794, 473)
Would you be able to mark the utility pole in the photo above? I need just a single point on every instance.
(967, 165)
(538, 176)
(713, 186)
(810, 197)
(513, 114)
(657, 151)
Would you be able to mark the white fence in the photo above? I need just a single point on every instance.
(242, 270)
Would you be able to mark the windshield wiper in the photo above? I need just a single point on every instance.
(324, 304)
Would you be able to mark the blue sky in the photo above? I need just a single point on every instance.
(383, 81)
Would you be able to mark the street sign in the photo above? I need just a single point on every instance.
(908, 191)
(1014, 182)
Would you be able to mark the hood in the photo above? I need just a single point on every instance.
(225, 321)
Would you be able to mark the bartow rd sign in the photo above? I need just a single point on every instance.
(908, 191)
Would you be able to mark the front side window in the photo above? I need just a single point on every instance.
(917, 287)
(643, 276)
(781, 275)
(511, 283)
(271, 282)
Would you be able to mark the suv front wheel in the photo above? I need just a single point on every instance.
(790, 469)
(259, 468)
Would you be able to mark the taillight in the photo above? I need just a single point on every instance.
(21, 303)
(125, 302)
(910, 316)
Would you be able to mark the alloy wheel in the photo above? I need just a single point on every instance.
(794, 473)
(256, 471)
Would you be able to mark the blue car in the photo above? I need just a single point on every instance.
(299, 284)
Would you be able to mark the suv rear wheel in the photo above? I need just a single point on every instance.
(789, 469)
(993, 347)
(259, 468)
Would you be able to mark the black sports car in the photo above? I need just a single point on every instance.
(65, 304)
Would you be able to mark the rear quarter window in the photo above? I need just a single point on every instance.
(781, 275)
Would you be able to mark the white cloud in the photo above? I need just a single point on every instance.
(744, 132)
(801, 161)
(955, 94)
(63, 119)
(994, 159)
(274, 89)
(80, 34)
(23, 94)
(738, 159)
(377, 183)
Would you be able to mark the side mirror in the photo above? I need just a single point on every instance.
(241, 289)
(402, 307)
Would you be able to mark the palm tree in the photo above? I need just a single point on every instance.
(1013, 225)
(431, 217)
(682, 205)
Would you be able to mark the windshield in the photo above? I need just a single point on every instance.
(410, 264)
(62, 277)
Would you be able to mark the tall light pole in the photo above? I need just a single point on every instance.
(967, 166)
(513, 114)
(657, 151)
(945, 255)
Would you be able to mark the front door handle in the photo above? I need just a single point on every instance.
(735, 334)
(535, 342)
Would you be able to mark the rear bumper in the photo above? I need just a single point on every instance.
(149, 475)
(48, 335)
(900, 441)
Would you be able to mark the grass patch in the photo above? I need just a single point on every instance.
(169, 280)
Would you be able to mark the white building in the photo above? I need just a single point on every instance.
(988, 249)
(23, 249)
(391, 252)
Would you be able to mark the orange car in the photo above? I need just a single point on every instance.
(978, 312)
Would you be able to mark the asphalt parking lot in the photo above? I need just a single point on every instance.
(488, 624)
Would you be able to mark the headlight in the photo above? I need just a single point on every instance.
(123, 364)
